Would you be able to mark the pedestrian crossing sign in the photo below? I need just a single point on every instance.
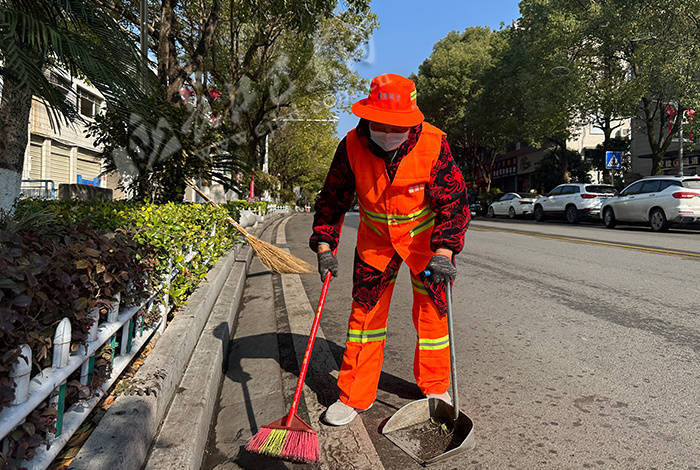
(613, 160)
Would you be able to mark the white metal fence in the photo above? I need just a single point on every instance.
(124, 328)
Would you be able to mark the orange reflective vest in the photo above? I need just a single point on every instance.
(395, 216)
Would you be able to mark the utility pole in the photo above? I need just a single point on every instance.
(680, 148)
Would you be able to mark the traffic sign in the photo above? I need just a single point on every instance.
(613, 160)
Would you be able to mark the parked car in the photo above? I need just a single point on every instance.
(656, 200)
(476, 209)
(573, 201)
(512, 205)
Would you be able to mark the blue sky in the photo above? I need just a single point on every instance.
(409, 28)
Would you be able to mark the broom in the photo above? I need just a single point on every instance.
(277, 260)
(290, 438)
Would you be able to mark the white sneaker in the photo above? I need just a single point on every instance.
(340, 414)
(442, 396)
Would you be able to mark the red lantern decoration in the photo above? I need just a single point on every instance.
(187, 92)
(214, 93)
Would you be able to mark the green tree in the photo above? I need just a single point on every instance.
(261, 55)
(629, 59)
(450, 84)
(76, 35)
(301, 152)
(549, 171)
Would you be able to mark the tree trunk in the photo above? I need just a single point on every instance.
(168, 66)
(15, 106)
(657, 135)
(561, 155)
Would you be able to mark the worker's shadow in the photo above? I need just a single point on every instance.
(321, 378)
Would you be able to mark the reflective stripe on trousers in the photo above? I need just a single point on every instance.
(364, 350)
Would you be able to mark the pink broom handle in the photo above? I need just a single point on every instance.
(312, 338)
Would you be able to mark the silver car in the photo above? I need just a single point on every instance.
(656, 200)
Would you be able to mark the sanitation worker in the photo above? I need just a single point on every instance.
(413, 209)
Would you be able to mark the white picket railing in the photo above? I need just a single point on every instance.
(31, 392)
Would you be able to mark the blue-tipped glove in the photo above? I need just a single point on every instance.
(441, 269)
(327, 263)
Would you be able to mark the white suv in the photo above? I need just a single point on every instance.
(656, 200)
(573, 201)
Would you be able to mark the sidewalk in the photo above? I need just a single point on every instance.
(270, 336)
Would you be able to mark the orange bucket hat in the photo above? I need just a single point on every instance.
(392, 100)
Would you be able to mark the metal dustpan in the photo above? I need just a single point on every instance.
(431, 430)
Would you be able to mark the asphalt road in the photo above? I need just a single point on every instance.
(571, 353)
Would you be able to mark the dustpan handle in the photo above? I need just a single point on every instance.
(453, 362)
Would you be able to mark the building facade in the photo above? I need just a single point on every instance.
(513, 169)
(60, 152)
(642, 156)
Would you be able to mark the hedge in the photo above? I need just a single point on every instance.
(60, 258)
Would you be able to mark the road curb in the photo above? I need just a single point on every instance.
(124, 436)
(193, 406)
(195, 398)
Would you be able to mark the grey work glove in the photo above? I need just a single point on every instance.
(327, 263)
(441, 269)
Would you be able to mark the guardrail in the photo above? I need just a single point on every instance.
(124, 328)
(42, 189)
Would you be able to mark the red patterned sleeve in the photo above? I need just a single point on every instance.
(335, 199)
(448, 199)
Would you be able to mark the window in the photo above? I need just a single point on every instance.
(668, 183)
(570, 190)
(691, 184)
(65, 86)
(594, 129)
(650, 186)
(556, 191)
(601, 189)
(88, 103)
(634, 189)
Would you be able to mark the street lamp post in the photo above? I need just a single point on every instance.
(680, 148)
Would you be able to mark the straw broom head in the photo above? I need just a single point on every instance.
(276, 259)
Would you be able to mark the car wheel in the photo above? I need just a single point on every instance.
(491, 213)
(609, 218)
(511, 213)
(657, 220)
(571, 214)
(539, 214)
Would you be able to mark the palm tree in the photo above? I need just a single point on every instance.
(76, 35)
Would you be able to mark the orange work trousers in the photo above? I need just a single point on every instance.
(364, 348)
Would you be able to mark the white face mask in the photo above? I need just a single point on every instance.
(389, 140)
